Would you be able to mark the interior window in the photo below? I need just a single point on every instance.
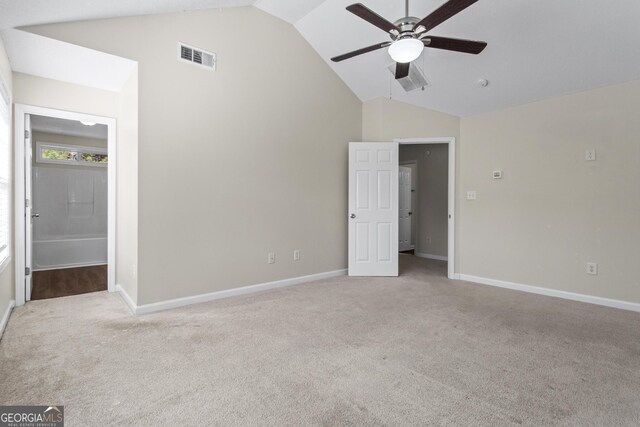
(81, 156)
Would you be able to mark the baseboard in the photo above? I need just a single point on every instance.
(429, 256)
(5, 317)
(624, 305)
(127, 299)
(196, 299)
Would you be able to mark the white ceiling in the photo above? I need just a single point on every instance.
(17, 13)
(67, 127)
(44, 57)
(536, 49)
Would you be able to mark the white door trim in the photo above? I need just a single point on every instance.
(19, 190)
(451, 142)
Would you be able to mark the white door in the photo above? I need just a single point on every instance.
(28, 152)
(404, 209)
(373, 209)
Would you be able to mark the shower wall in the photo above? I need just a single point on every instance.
(71, 230)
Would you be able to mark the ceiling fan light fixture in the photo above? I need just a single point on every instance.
(405, 50)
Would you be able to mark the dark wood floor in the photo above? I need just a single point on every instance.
(68, 281)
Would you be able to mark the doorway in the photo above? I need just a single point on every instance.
(64, 203)
(427, 226)
(373, 201)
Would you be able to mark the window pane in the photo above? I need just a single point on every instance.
(94, 158)
(54, 154)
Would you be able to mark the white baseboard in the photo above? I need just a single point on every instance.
(127, 298)
(196, 299)
(5, 317)
(429, 256)
(624, 305)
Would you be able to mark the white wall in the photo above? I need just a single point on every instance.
(553, 211)
(235, 163)
(6, 275)
(432, 198)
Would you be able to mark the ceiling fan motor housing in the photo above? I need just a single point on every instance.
(405, 28)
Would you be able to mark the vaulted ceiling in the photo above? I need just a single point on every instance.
(536, 49)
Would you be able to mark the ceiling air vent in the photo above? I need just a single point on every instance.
(415, 79)
(196, 56)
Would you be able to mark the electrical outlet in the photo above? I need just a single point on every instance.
(296, 255)
(592, 268)
(471, 195)
(271, 258)
(590, 155)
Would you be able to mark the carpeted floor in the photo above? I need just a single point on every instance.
(68, 281)
(415, 350)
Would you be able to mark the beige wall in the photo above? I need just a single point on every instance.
(206, 224)
(432, 197)
(7, 288)
(123, 106)
(553, 211)
(127, 189)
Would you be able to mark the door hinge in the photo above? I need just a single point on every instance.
(26, 134)
(26, 203)
(27, 271)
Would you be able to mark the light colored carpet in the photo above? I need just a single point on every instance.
(417, 350)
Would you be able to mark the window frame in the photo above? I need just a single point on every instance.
(40, 145)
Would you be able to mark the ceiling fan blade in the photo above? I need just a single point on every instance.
(371, 17)
(402, 70)
(458, 45)
(444, 12)
(360, 51)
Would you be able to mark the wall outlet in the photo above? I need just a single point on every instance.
(497, 174)
(296, 255)
(271, 257)
(592, 268)
(471, 195)
(590, 155)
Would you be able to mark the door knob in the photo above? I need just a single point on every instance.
(35, 215)
(410, 213)
(352, 216)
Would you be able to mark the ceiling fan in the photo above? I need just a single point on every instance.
(409, 35)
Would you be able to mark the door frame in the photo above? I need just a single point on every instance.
(414, 207)
(20, 110)
(451, 142)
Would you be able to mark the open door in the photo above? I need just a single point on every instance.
(373, 209)
(28, 202)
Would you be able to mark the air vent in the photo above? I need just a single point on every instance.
(415, 79)
(197, 56)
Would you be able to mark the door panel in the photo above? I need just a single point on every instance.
(404, 209)
(373, 209)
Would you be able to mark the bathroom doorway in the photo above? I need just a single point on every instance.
(66, 203)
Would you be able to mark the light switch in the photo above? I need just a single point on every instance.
(471, 195)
